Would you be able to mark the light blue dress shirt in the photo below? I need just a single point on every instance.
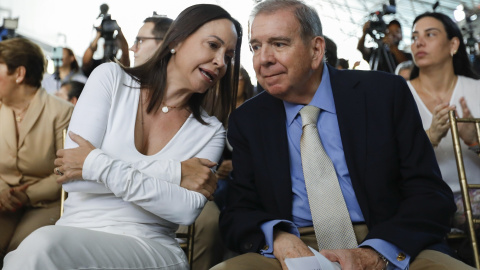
(330, 135)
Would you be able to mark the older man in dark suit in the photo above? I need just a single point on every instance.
(397, 206)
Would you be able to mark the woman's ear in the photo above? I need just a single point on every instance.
(20, 74)
(454, 44)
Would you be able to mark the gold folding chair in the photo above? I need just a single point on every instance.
(464, 186)
(63, 194)
(186, 243)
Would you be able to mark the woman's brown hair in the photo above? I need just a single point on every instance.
(17, 52)
(219, 100)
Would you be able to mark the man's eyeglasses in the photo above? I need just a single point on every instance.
(139, 40)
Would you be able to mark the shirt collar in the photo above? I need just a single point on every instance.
(322, 99)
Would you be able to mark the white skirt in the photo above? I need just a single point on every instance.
(62, 247)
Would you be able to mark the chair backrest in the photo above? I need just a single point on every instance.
(186, 241)
(464, 186)
(63, 194)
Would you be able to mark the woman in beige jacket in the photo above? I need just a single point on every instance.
(31, 124)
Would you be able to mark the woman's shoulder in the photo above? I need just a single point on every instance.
(110, 67)
(56, 103)
(469, 86)
(468, 80)
(212, 121)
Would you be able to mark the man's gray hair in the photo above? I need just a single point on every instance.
(310, 25)
(404, 65)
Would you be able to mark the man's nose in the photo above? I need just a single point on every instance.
(267, 56)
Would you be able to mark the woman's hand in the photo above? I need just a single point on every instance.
(466, 131)
(13, 199)
(69, 162)
(439, 127)
(197, 176)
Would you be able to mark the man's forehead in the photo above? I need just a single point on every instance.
(278, 23)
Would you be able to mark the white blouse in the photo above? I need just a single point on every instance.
(470, 89)
(124, 191)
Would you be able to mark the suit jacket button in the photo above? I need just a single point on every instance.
(248, 246)
(401, 256)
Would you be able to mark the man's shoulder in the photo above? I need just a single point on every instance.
(263, 99)
(364, 75)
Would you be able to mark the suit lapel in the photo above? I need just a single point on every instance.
(275, 144)
(350, 103)
(33, 113)
(7, 133)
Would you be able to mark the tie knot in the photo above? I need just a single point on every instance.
(309, 115)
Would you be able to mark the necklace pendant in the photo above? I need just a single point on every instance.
(165, 109)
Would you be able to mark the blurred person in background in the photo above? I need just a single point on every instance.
(404, 69)
(149, 38)
(342, 63)
(70, 91)
(89, 63)
(391, 41)
(30, 135)
(331, 52)
(443, 80)
(68, 71)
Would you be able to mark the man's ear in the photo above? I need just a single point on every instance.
(318, 51)
(74, 100)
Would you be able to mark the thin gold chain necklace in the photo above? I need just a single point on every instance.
(19, 116)
(450, 88)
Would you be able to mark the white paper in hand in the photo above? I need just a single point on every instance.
(317, 262)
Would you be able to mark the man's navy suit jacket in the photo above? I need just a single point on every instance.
(391, 163)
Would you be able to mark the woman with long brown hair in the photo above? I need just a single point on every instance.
(151, 144)
(443, 80)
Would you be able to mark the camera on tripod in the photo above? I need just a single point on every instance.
(378, 27)
(108, 27)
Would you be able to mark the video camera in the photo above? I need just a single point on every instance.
(378, 26)
(107, 28)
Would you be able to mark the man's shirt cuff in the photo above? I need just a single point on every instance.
(268, 227)
(398, 259)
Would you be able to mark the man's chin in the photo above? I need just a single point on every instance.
(276, 91)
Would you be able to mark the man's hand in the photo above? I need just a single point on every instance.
(357, 258)
(287, 245)
(197, 176)
(224, 169)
